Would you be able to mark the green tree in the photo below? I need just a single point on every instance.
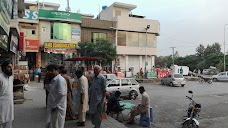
(200, 51)
(101, 48)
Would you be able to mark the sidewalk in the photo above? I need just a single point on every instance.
(32, 113)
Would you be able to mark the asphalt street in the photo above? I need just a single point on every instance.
(169, 104)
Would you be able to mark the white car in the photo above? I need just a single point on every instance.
(222, 76)
(173, 79)
(109, 76)
(127, 86)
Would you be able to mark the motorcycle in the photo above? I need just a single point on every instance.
(193, 111)
(205, 79)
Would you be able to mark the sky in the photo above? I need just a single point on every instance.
(184, 24)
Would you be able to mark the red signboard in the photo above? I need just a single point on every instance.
(161, 74)
(32, 45)
(21, 41)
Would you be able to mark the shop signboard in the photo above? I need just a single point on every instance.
(59, 47)
(4, 42)
(13, 44)
(31, 15)
(32, 45)
(75, 33)
(54, 14)
(6, 8)
(3, 25)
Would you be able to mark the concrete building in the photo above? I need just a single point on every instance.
(60, 33)
(136, 37)
(30, 32)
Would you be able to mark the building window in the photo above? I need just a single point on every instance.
(121, 38)
(98, 36)
(117, 13)
(132, 39)
(33, 32)
(61, 31)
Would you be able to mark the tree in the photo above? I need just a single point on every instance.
(101, 48)
(200, 51)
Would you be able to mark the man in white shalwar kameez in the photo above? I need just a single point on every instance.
(82, 96)
(6, 95)
(57, 99)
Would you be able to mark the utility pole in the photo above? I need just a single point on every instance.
(224, 47)
(173, 54)
(68, 6)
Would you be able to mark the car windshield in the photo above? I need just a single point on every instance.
(178, 76)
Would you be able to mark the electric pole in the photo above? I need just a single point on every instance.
(173, 53)
(68, 6)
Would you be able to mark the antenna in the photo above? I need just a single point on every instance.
(68, 6)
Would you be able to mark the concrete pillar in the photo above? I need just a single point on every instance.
(152, 61)
(126, 63)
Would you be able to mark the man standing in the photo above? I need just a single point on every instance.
(141, 108)
(97, 97)
(82, 96)
(6, 95)
(57, 99)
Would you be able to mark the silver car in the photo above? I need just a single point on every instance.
(173, 79)
(222, 76)
(127, 86)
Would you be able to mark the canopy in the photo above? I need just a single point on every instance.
(83, 59)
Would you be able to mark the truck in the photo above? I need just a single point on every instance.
(175, 69)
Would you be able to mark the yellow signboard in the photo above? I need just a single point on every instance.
(59, 45)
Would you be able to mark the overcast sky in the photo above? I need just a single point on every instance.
(184, 23)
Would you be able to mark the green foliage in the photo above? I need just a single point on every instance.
(203, 58)
(101, 48)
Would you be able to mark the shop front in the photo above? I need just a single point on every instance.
(56, 53)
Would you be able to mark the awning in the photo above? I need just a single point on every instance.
(84, 59)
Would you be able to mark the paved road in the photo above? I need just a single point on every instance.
(169, 103)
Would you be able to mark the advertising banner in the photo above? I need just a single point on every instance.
(13, 44)
(31, 15)
(4, 42)
(3, 25)
(161, 74)
(75, 33)
(32, 45)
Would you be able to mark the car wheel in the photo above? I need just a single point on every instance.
(215, 79)
(133, 95)
(182, 85)
(171, 84)
(162, 83)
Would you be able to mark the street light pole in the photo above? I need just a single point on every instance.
(173, 54)
(225, 47)
(147, 27)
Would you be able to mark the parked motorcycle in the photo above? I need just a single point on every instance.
(205, 79)
(193, 111)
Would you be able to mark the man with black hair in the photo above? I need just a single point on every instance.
(57, 99)
(6, 95)
(113, 104)
(141, 108)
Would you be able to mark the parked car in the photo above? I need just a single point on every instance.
(210, 71)
(127, 86)
(173, 79)
(109, 76)
(222, 76)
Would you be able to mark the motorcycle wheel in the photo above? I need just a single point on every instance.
(189, 124)
(209, 81)
(201, 81)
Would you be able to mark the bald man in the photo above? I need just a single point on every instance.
(97, 96)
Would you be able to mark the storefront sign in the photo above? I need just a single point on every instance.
(3, 25)
(6, 8)
(13, 44)
(32, 45)
(53, 14)
(4, 42)
(59, 47)
(75, 33)
(31, 15)
(21, 41)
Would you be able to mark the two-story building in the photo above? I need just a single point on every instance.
(136, 37)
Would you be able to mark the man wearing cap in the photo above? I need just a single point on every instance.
(6, 95)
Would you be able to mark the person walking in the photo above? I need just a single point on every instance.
(39, 73)
(70, 109)
(97, 97)
(141, 108)
(6, 95)
(82, 96)
(57, 99)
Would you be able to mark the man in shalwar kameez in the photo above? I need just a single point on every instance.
(6, 95)
(57, 99)
(82, 96)
(97, 96)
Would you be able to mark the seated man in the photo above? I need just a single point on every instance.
(144, 107)
(113, 104)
